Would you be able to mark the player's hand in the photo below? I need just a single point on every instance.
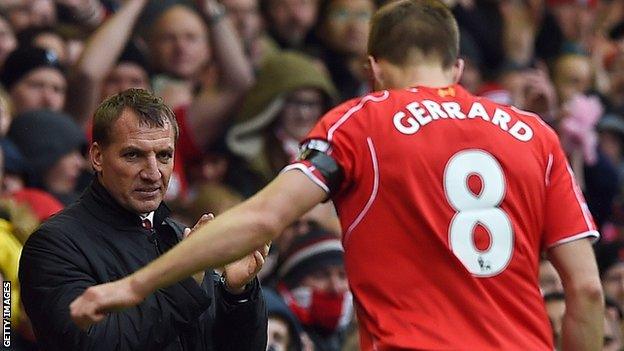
(93, 305)
(205, 218)
(241, 272)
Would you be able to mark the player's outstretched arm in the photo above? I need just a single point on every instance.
(229, 237)
(583, 321)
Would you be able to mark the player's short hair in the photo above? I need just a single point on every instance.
(403, 27)
(149, 109)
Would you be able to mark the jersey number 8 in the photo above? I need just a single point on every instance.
(474, 209)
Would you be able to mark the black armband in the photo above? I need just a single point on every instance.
(315, 152)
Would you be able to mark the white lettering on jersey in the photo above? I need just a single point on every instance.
(477, 110)
(453, 110)
(410, 123)
(434, 109)
(521, 131)
(418, 113)
(408, 130)
(501, 118)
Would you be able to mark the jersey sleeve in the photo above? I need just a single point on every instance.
(332, 138)
(567, 217)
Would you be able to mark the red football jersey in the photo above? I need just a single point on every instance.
(446, 202)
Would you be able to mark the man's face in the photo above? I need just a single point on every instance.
(329, 279)
(136, 165)
(347, 25)
(292, 19)
(124, 76)
(179, 43)
(42, 88)
(245, 14)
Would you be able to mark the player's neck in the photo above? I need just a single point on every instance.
(433, 76)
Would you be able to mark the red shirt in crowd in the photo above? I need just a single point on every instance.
(447, 202)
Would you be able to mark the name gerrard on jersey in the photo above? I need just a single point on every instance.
(418, 114)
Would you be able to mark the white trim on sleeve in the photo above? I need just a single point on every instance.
(590, 233)
(307, 172)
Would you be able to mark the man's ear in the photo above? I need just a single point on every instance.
(95, 156)
(375, 76)
(458, 69)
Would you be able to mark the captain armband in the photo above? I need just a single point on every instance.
(315, 152)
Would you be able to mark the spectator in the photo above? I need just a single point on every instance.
(314, 285)
(520, 25)
(572, 75)
(53, 145)
(291, 22)
(284, 333)
(180, 50)
(531, 89)
(595, 173)
(289, 97)
(105, 68)
(119, 225)
(344, 29)
(34, 79)
(250, 25)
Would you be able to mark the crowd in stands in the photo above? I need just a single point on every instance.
(248, 79)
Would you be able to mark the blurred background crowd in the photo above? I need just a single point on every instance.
(248, 79)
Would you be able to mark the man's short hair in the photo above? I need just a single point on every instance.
(403, 27)
(149, 108)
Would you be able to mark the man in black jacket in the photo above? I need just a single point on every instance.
(119, 225)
